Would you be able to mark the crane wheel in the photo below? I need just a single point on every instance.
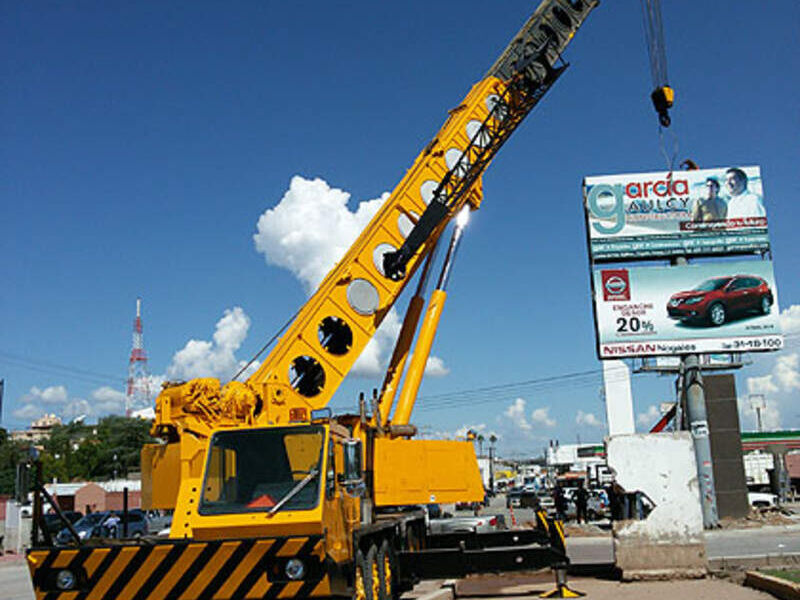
(372, 574)
(386, 572)
(362, 588)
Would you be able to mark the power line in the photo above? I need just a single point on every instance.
(47, 367)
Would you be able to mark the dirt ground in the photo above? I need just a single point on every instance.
(520, 588)
(759, 518)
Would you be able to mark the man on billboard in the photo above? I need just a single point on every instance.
(712, 207)
(741, 203)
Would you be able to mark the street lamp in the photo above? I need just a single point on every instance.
(758, 403)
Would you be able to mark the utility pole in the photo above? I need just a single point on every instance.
(694, 395)
(492, 440)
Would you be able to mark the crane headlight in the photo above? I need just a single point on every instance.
(463, 217)
(65, 580)
(295, 569)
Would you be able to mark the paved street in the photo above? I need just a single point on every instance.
(597, 545)
(753, 542)
(14, 581)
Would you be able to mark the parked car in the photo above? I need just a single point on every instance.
(477, 524)
(597, 506)
(83, 527)
(522, 498)
(718, 299)
(546, 501)
(94, 526)
(158, 520)
(54, 524)
(762, 500)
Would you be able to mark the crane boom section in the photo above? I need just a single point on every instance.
(334, 326)
(328, 334)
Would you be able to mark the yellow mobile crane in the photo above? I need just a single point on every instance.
(273, 496)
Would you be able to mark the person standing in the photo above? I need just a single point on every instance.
(581, 503)
(560, 501)
(112, 523)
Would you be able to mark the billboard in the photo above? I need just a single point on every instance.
(690, 213)
(715, 307)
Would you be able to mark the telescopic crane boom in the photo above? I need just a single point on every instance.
(320, 346)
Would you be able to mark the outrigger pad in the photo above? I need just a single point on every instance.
(562, 591)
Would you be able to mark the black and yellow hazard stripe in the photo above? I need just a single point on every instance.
(183, 570)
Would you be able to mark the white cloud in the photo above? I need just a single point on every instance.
(108, 400)
(516, 413)
(761, 385)
(435, 367)
(785, 377)
(770, 415)
(479, 428)
(587, 419)
(541, 416)
(28, 412)
(311, 228)
(56, 394)
(78, 407)
(781, 384)
(649, 418)
(307, 232)
(217, 358)
(786, 372)
(57, 400)
(790, 319)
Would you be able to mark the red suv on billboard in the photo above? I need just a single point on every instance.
(717, 299)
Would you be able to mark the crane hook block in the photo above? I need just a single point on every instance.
(663, 98)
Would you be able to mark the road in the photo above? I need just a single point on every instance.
(773, 540)
(14, 581)
(727, 543)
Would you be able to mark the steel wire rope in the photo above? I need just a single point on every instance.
(267, 345)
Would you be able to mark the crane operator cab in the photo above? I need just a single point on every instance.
(263, 470)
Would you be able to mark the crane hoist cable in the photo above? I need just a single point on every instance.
(662, 95)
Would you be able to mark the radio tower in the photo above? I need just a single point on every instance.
(138, 393)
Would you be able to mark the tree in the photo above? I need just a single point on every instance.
(11, 453)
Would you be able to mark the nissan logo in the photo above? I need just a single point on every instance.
(615, 285)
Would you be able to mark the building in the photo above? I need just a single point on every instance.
(39, 430)
(93, 496)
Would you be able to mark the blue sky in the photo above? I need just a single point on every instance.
(142, 142)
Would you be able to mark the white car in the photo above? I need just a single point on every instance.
(762, 500)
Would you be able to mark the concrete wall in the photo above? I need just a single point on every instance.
(669, 540)
(17, 535)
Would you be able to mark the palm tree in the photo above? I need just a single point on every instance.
(480, 444)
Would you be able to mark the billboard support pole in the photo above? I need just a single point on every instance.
(695, 398)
